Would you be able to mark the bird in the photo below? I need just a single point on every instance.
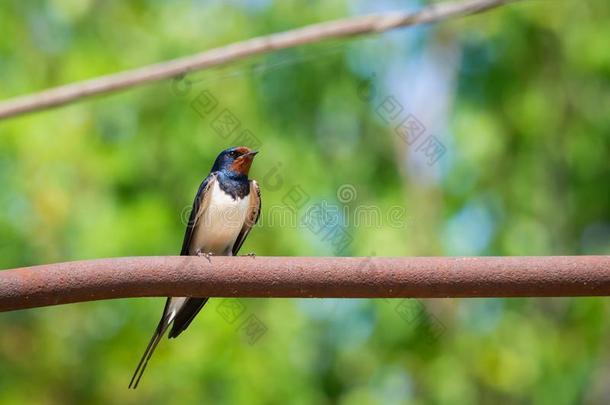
(226, 207)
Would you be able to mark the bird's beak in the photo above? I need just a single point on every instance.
(252, 153)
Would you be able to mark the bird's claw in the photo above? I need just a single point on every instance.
(252, 255)
(207, 255)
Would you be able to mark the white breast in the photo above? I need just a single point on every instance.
(220, 224)
(216, 230)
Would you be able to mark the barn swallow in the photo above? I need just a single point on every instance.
(226, 207)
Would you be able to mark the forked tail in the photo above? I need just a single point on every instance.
(156, 338)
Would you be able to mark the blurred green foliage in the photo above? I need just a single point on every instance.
(525, 92)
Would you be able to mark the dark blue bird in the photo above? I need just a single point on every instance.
(226, 207)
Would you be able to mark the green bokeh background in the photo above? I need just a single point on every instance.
(519, 98)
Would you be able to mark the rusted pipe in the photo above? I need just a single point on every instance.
(347, 277)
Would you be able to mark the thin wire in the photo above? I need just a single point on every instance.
(261, 68)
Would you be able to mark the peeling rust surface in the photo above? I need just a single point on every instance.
(342, 277)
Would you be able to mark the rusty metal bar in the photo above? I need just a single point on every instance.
(349, 277)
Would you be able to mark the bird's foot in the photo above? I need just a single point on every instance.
(251, 254)
(207, 255)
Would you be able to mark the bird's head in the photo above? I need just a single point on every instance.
(235, 161)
